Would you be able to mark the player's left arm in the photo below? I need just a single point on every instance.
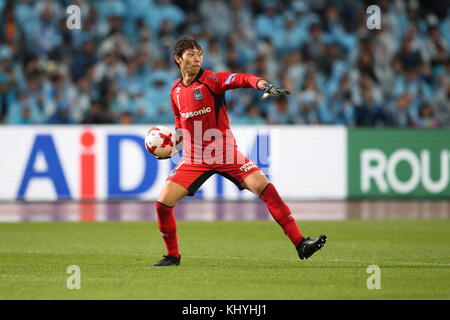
(228, 80)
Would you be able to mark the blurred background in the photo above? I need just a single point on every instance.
(118, 68)
(63, 93)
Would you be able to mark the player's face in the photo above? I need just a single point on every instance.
(191, 61)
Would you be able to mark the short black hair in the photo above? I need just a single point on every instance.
(183, 45)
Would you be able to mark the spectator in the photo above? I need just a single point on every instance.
(369, 113)
(109, 68)
(141, 108)
(410, 82)
(307, 112)
(6, 96)
(269, 23)
(126, 118)
(331, 54)
(441, 105)
(81, 99)
(252, 116)
(401, 111)
(426, 118)
(366, 59)
(409, 57)
(309, 102)
(46, 36)
(116, 101)
(121, 60)
(111, 8)
(296, 70)
(83, 59)
(341, 107)
(436, 45)
(24, 111)
(10, 32)
(215, 59)
(290, 39)
(165, 10)
(217, 17)
(61, 115)
(315, 45)
(280, 114)
(242, 19)
(98, 114)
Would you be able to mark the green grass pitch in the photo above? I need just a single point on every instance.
(225, 260)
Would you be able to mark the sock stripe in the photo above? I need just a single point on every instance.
(165, 205)
(264, 189)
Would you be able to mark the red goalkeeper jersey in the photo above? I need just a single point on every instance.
(200, 111)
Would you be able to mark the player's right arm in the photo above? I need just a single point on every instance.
(178, 131)
(227, 81)
(176, 111)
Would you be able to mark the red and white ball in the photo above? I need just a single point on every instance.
(159, 141)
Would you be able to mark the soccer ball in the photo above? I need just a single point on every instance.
(159, 141)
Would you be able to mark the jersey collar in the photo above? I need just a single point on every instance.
(199, 74)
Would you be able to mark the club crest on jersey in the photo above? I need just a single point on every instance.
(198, 95)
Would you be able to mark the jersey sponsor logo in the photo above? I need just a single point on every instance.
(249, 165)
(198, 95)
(230, 78)
(191, 114)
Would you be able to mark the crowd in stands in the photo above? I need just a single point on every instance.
(118, 68)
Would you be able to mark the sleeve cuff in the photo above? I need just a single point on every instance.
(253, 80)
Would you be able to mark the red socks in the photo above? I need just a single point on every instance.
(168, 227)
(281, 213)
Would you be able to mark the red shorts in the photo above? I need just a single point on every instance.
(191, 175)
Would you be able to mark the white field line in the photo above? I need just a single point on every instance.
(359, 261)
(369, 262)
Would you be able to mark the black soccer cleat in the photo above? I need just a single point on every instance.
(167, 261)
(308, 246)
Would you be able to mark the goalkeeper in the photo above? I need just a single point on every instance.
(198, 103)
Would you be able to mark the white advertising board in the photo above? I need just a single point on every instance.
(47, 163)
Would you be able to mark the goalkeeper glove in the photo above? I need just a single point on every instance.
(271, 91)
